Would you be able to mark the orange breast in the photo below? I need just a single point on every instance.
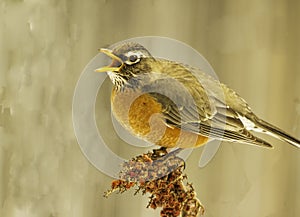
(141, 115)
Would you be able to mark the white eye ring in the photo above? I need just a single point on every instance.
(132, 58)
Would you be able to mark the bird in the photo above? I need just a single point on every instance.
(175, 105)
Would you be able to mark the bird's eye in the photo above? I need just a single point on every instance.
(133, 58)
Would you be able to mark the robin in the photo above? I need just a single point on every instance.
(175, 105)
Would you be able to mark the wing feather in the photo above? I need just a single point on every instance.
(198, 103)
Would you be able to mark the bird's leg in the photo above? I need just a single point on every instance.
(165, 152)
(174, 152)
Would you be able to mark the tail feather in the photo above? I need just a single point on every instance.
(253, 140)
(276, 132)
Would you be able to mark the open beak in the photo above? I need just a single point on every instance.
(116, 64)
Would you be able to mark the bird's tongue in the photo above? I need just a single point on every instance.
(115, 63)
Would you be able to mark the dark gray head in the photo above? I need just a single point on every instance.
(128, 61)
(131, 52)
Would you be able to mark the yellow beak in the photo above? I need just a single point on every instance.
(116, 64)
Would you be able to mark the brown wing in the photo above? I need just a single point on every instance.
(195, 102)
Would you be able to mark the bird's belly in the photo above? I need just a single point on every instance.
(142, 116)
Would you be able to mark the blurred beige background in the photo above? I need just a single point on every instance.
(44, 45)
